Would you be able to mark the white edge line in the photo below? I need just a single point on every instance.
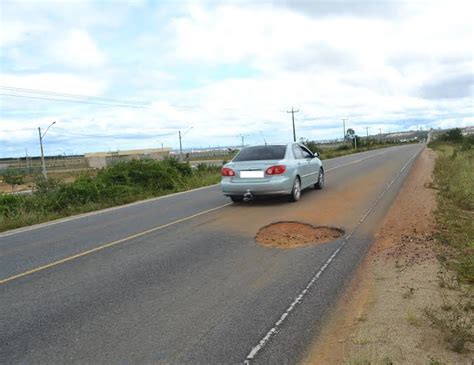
(96, 212)
(253, 352)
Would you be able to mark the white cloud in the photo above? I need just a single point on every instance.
(77, 49)
(402, 65)
(56, 82)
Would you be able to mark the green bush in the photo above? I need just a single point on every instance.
(343, 147)
(13, 179)
(452, 135)
(121, 183)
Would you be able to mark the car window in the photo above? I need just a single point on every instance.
(306, 153)
(255, 153)
(297, 152)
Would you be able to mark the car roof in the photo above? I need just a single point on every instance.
(273, 144)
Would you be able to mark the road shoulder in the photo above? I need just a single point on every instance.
(380, 319)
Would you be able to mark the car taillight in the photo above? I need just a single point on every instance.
(276, 170)
(227, 172)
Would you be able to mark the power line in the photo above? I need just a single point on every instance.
(53, 93)
(17, 130)
(62, 132)
(75, 101)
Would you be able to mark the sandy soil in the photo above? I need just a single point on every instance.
(379, 320)
(294, 234)
(7, 188)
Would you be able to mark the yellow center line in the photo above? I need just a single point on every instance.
(110, 244)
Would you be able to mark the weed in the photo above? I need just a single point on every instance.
(360, 341)
(455, 325)
(358, 361)
(414, 320)
(362, 317)
(448, 280)
(409, 293)
(434, 361)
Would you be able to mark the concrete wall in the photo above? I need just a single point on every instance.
(101, 160)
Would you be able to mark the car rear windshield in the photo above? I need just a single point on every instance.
(257, 153)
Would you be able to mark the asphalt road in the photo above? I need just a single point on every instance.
(180, 279)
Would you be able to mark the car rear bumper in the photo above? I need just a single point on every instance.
(279, 186)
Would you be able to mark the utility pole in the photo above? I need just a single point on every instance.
(41, 136)
(344, 129)
(180, 142)
(180, 147)
(292, 111)
(380, 134)
(242, 138)
(367, 134)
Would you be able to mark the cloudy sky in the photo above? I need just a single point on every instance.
(131, 74)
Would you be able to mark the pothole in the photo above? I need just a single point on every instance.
(294, 234)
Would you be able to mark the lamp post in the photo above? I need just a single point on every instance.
(41, 136)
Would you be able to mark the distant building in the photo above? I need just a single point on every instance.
(99, 160)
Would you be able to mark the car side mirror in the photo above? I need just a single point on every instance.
(316, 154)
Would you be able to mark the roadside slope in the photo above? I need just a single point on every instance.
(379, 320)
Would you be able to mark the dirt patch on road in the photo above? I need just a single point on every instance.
(294, 234)
(381, 317)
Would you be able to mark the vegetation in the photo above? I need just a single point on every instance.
(121, 183)
(12, 179)
(455, 324)
(454, 179)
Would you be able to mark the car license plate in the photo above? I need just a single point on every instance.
(251, 174)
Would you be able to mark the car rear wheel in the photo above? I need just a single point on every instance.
(296, 191)
(237, 199)
(320, 183)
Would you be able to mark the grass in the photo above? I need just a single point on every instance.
(119, 184)
(455, 325)
(454, 179)
(414, 320)
(363, 360)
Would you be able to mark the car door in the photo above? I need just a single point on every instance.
(310, 169)
(302, 165)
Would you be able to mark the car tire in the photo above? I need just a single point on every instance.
(237, 199)
(320, 183)
(295, 191)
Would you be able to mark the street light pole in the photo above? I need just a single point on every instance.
(43, 163)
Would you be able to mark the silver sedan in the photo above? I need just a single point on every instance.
(272, 170)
